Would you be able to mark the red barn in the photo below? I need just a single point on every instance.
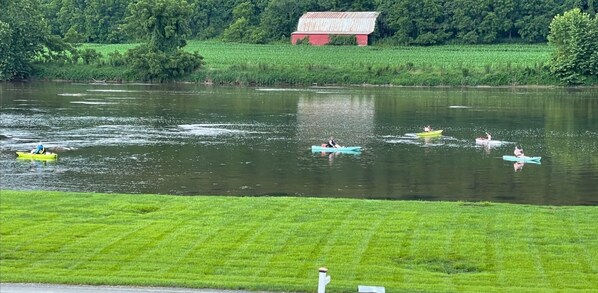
(317, 27)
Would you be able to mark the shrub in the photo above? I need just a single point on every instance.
(154, 64)
(342, 40)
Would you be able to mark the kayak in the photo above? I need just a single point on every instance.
(484, 141)
(524, 159)
(317, 148)
(28, 155)
(429, 133)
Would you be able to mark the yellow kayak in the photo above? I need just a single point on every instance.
(46, 156)
(429, 133)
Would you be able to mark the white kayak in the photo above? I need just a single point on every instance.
(489, 142)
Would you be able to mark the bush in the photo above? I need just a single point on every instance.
(575, 37)
(116, 59)
(90, 56)
(342, 40)
(153, 64)
(302, 41)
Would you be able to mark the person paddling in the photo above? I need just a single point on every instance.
(39, 149)
(332, 144)
(487, 138)
(427, 128)
(518, 152)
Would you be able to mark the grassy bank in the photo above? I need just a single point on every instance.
(278, 244)
(248, 64)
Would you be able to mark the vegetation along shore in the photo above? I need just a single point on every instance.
(414, 43)
(251, 64)
(278, 243)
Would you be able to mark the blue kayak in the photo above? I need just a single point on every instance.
(523, 159)
(317, 148)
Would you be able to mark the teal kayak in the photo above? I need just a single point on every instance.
(523, 159)
(317, 148)
(429, 133)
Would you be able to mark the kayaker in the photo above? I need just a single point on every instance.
(427, 128)
(332, 144)
(39, 149)
(487, 138)
(518, 152)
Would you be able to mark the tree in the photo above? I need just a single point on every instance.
(23, 33)
(280, 18)
(575, 37)
(103, 20)
(417, 22)
(163, 24)
(244, 24)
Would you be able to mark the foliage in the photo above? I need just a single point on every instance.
(278, 243)
(405, 22)
(302, 41)
(90, 56)
(115, 58)
(342, 40)
(22, 37)
(575, 37)
(163, 24)
(73, 37)
(93, 20)
(235, 63)
(153, 64)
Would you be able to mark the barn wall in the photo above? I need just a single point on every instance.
(323, 39)
(362, 40)
(319, 40)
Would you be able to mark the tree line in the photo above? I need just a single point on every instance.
(401, 22)
(49, 30)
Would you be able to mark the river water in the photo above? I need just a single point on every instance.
(184, 139)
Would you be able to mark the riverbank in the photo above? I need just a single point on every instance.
(278, 243)
(249, 64)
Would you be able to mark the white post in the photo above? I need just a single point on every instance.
(323, 280)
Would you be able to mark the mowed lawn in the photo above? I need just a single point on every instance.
(278, 243)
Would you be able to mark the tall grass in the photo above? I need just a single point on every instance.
(278, 243)
(231, 63)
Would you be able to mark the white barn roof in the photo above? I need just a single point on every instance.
(337, 22)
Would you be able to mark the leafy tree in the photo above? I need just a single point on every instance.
(280, 19)
(417, 22)
(103, 20)
(238, 31)
(152, 64)
(73, 37)
(163, 24)
(23, 33)
(504, 10)
(533, 25)
(575, 37)
(244, 25)
(210, 17)
(71, 14)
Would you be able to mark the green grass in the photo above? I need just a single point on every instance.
(278, 243)
(220, 55)
(248, 64)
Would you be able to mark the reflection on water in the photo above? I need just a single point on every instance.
(194, 140)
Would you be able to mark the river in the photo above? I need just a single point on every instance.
(186, 139)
